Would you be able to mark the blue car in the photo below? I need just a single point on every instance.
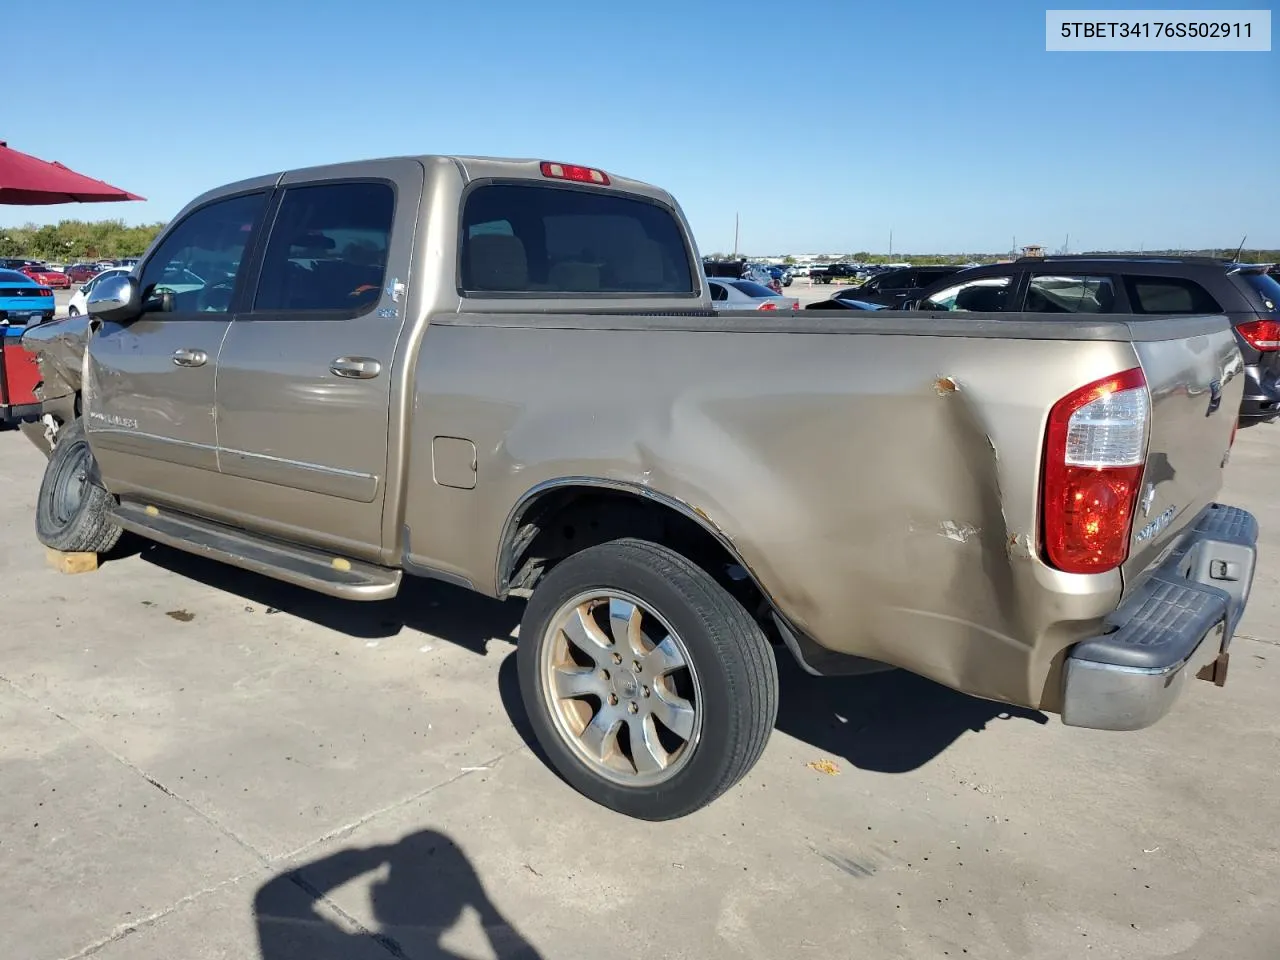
(23, 302)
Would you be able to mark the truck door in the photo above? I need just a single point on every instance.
(149, 394)
(304, 375)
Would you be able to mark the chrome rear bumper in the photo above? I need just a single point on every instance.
(1178, 624)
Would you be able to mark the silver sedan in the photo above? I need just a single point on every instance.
(747, 295)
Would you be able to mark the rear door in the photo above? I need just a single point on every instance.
(304, 376)
(149, 395)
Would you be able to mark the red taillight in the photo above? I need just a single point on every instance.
(1262, 334)
(767, 305)
(569, 171)
(1095, 451)
(795, 304)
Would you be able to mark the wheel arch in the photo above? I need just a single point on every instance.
(547, 499)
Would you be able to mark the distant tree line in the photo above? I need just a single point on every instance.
(72, 240)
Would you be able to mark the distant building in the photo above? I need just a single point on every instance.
(1033, 250)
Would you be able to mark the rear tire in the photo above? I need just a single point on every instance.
(72, 312)
(73, 513)
(655, 713)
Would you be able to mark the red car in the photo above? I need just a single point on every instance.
(83, 272)
(47, 277)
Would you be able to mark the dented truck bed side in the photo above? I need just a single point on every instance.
(879, 482)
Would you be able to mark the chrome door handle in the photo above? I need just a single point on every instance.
(190, 358)
(356, 368)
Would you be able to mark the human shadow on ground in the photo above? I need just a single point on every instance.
(422, 887)
(890, 722)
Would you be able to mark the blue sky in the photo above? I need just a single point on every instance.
(825, 124)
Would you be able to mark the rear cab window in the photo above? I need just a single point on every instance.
(541, 240)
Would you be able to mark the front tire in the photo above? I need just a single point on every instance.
(649, 687)
(72, 312)
(73, 513)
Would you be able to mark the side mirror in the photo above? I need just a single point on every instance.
(115, 300)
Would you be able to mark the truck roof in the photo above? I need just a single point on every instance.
(471, 167)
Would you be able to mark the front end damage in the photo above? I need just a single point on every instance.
(59, 349)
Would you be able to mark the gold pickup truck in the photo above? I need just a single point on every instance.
(507, 374)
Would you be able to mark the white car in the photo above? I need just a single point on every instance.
(730, 294)
(78, 300)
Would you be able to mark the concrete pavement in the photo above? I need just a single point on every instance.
(201, 763)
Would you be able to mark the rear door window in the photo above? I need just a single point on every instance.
(548, 241)
(328, 249)
(1059, 293)
(1169, 295)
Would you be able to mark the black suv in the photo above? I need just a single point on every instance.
(894, 286)
(1245, 292)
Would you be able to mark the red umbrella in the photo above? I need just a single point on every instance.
(27, 181)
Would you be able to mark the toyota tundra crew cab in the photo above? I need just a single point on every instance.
(507, 375)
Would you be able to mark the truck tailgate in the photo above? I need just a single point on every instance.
(1196, 384)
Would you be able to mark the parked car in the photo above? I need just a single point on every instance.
(723, 268)
(1147, 285)
(42, 274)
(83, 272)
(23, 301)
(781, 274)
(892, 287)
(19, 375)
(748, 295)
(77, 305)
(833, 272)
(757, 273)
(1028, 519)
(844, 303)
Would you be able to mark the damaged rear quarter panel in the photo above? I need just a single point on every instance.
(885, 516)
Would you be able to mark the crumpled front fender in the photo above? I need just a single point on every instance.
(59, 348)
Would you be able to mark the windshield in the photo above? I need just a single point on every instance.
(1267, 287)
(752, 289)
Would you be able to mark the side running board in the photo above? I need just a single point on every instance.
(302, 566)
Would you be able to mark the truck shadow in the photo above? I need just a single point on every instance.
(419, 888)
(459, 616)
(890, 722)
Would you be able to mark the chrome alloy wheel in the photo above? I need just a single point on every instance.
(621, 688)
